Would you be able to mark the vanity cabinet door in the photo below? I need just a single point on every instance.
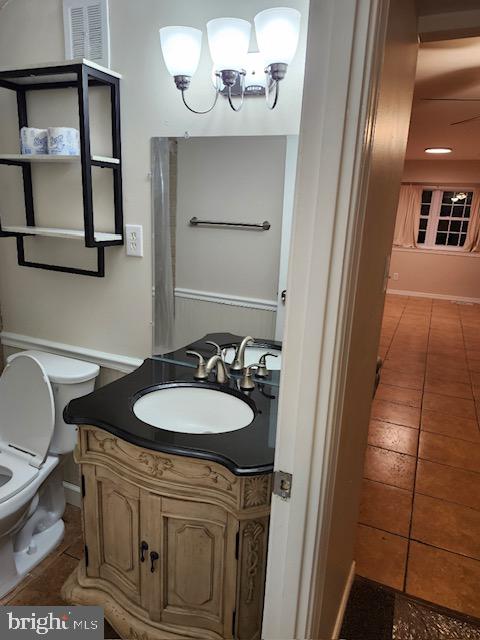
(195, 583)
(114, 542)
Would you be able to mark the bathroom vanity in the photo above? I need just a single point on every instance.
(175, 524)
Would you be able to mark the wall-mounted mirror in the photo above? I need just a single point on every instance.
(222, 214)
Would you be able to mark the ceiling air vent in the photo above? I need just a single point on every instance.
(87, 33)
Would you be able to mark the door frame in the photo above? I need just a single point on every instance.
(291, 160)
(346, 40)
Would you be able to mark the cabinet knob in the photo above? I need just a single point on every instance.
(143, 548)
(153, 556)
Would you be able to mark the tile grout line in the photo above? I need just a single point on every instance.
(400, 453)
(423, 385)
(432, 546)
(444, 464)
(390, 533)
(416, 457)
(458, 504)
(477, 412)
(444, 435)
(421, 493)
(419, 541)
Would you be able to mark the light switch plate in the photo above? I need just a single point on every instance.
(134, 240)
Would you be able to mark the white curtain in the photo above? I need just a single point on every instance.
(472, 243)
(408, 216)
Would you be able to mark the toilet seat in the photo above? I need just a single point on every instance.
(22, 475)
(27, 417)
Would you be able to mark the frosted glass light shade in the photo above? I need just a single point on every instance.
(277, 32)
(228, 39)
(181, 48)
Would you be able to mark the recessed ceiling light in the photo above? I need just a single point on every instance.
(438, 150)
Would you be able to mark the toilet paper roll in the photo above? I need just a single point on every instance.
(33, 141)
(63, 141)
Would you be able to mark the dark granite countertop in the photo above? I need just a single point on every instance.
(248, 451)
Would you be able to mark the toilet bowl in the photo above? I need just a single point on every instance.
(35, 387)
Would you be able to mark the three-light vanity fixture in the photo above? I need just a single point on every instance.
(277, 31)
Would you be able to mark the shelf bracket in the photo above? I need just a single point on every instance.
(99, 273)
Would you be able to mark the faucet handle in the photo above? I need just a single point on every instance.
(262, 371)
(246, 382)
(218, 348)
(201, 370)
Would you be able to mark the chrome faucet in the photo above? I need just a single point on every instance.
(238, 363)
(218, 363)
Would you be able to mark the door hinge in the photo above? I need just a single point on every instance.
(83, 486)
(234, 620)
(282, 484)
(86, 555)
(237, 544)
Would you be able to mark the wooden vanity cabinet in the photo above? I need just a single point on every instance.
(175, 547)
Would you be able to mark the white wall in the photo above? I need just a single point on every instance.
(114, 314)
(448, 274)
(439, 274)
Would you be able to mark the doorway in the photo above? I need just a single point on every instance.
(351, 154)
(419, 521)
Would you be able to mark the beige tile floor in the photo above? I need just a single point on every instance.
(419, 523)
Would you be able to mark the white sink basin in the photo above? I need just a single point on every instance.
(252, 355)
(193, 410)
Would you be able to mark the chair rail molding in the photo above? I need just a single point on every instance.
(114, 361)
(226, 298)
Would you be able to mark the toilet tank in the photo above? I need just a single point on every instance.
(70, 378)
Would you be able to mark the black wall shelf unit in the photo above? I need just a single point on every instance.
(80, 75)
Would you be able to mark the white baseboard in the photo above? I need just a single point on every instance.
(343, 603)
(436, 296)
(72, 493)
(102, 358)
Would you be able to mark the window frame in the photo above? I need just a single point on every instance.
(434, 218)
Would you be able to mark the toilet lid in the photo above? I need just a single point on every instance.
(27, 409)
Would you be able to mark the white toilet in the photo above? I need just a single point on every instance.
(35, 387)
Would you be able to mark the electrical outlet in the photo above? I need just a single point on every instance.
(395, 276)
(134, 240)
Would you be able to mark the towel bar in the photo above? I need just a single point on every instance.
(263, 226)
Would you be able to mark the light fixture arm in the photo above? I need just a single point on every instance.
(242, 99)
(268, 90)
(199, 112)
(183, 82)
